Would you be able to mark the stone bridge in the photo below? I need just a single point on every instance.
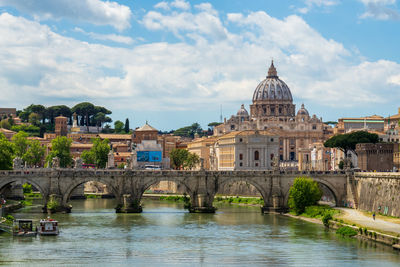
(128, 186)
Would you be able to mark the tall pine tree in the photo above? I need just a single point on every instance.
(126, 125)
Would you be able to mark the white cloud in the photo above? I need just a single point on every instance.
(162, 5)
(380, 9)
(181, 4)
(221, 66)
(93, 11)
(310, 4)
(395, 79)
(107, 37)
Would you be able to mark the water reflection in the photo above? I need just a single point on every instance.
(165, 234)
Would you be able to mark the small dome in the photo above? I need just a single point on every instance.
(272, 88)
(242, 112)
(302, 111)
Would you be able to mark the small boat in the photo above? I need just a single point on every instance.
(48, 227)
(23, 227)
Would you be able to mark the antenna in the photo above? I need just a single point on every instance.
(220, 116)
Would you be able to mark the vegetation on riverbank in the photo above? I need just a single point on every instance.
(346, 231)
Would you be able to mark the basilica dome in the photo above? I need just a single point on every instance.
(242, 112)
(302, 111)
(272, 88)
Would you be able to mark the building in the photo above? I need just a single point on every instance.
(245, 150)
(202, 147)
(146, 132)
(60, 127)
(369, 123)
(272, 109)
(375, 157)
(7, 133)
(8, 112)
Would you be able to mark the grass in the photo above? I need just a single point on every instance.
(346, 231)
(240, 200)
(317, 211)
(30, 196)
(26, 203)
(92, 196)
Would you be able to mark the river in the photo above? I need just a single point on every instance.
(166, 235)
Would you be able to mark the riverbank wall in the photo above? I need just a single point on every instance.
(378, 192)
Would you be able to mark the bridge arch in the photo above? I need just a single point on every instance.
(260, 188)
(74, 184)
(22, 180)
(155, 180)
(328, 185)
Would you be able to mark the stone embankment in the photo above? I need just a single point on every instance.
(378, 192)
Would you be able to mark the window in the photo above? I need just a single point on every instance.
(272, 139)
(256, 155)
(292, 155)
(314, 127)
(232, 127)
(240, 156)
(256, 164)
(240, 164)
(272, 156)
(272, 110)
(280, 157)
(241, 140)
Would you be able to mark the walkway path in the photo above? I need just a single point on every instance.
(359, 218)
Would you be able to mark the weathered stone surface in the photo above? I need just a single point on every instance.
(379, 190)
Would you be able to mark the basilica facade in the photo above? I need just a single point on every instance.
(273, 111)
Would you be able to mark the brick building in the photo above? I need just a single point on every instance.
(375, 157)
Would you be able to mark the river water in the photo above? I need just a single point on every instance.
(166, 235)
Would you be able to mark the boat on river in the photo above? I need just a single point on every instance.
(23, 227)
(48, 227)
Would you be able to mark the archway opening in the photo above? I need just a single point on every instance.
(328, 197)
(165, 194)
(239, 192)
(22, 192)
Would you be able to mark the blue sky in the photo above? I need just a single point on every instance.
(177, 62)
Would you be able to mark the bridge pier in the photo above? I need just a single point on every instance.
(201, 203)
(129, 205)
(56, 204)
(275, 205)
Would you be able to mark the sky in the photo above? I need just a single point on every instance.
(176, 62)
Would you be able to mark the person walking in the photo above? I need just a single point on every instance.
(373, 215)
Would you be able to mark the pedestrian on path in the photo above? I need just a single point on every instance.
(373, 215)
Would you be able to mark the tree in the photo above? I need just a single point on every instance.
(178, 158)
(6, 153)
(348, 142)
(101, 118)
(126, 125)
(189, 131)
(84, 109)
(192, 161)
(35, 153)
(60, 148)
(5, 124)
(34, 118)
(20, 143)
(100, 150)
(88, 157)
(213, 124)
(118, 126)
(304, 192)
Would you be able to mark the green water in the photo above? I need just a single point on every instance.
(166, 235)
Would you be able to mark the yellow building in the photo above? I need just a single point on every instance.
(202, 147)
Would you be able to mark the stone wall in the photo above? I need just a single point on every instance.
(378, 189)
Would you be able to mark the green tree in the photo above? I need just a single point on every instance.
(6, 153)
(189, 131)
(88, 157)
(5, 124)
(84, 109)
(213, 124)
(192, 161)
(127, 125)
(304, 192)
(60, 148)
(101, 118)
(34, 118)
(20, 142)
(178, 158)
(118, 126)
(348, 142)
(100, 150)
(35, 153)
